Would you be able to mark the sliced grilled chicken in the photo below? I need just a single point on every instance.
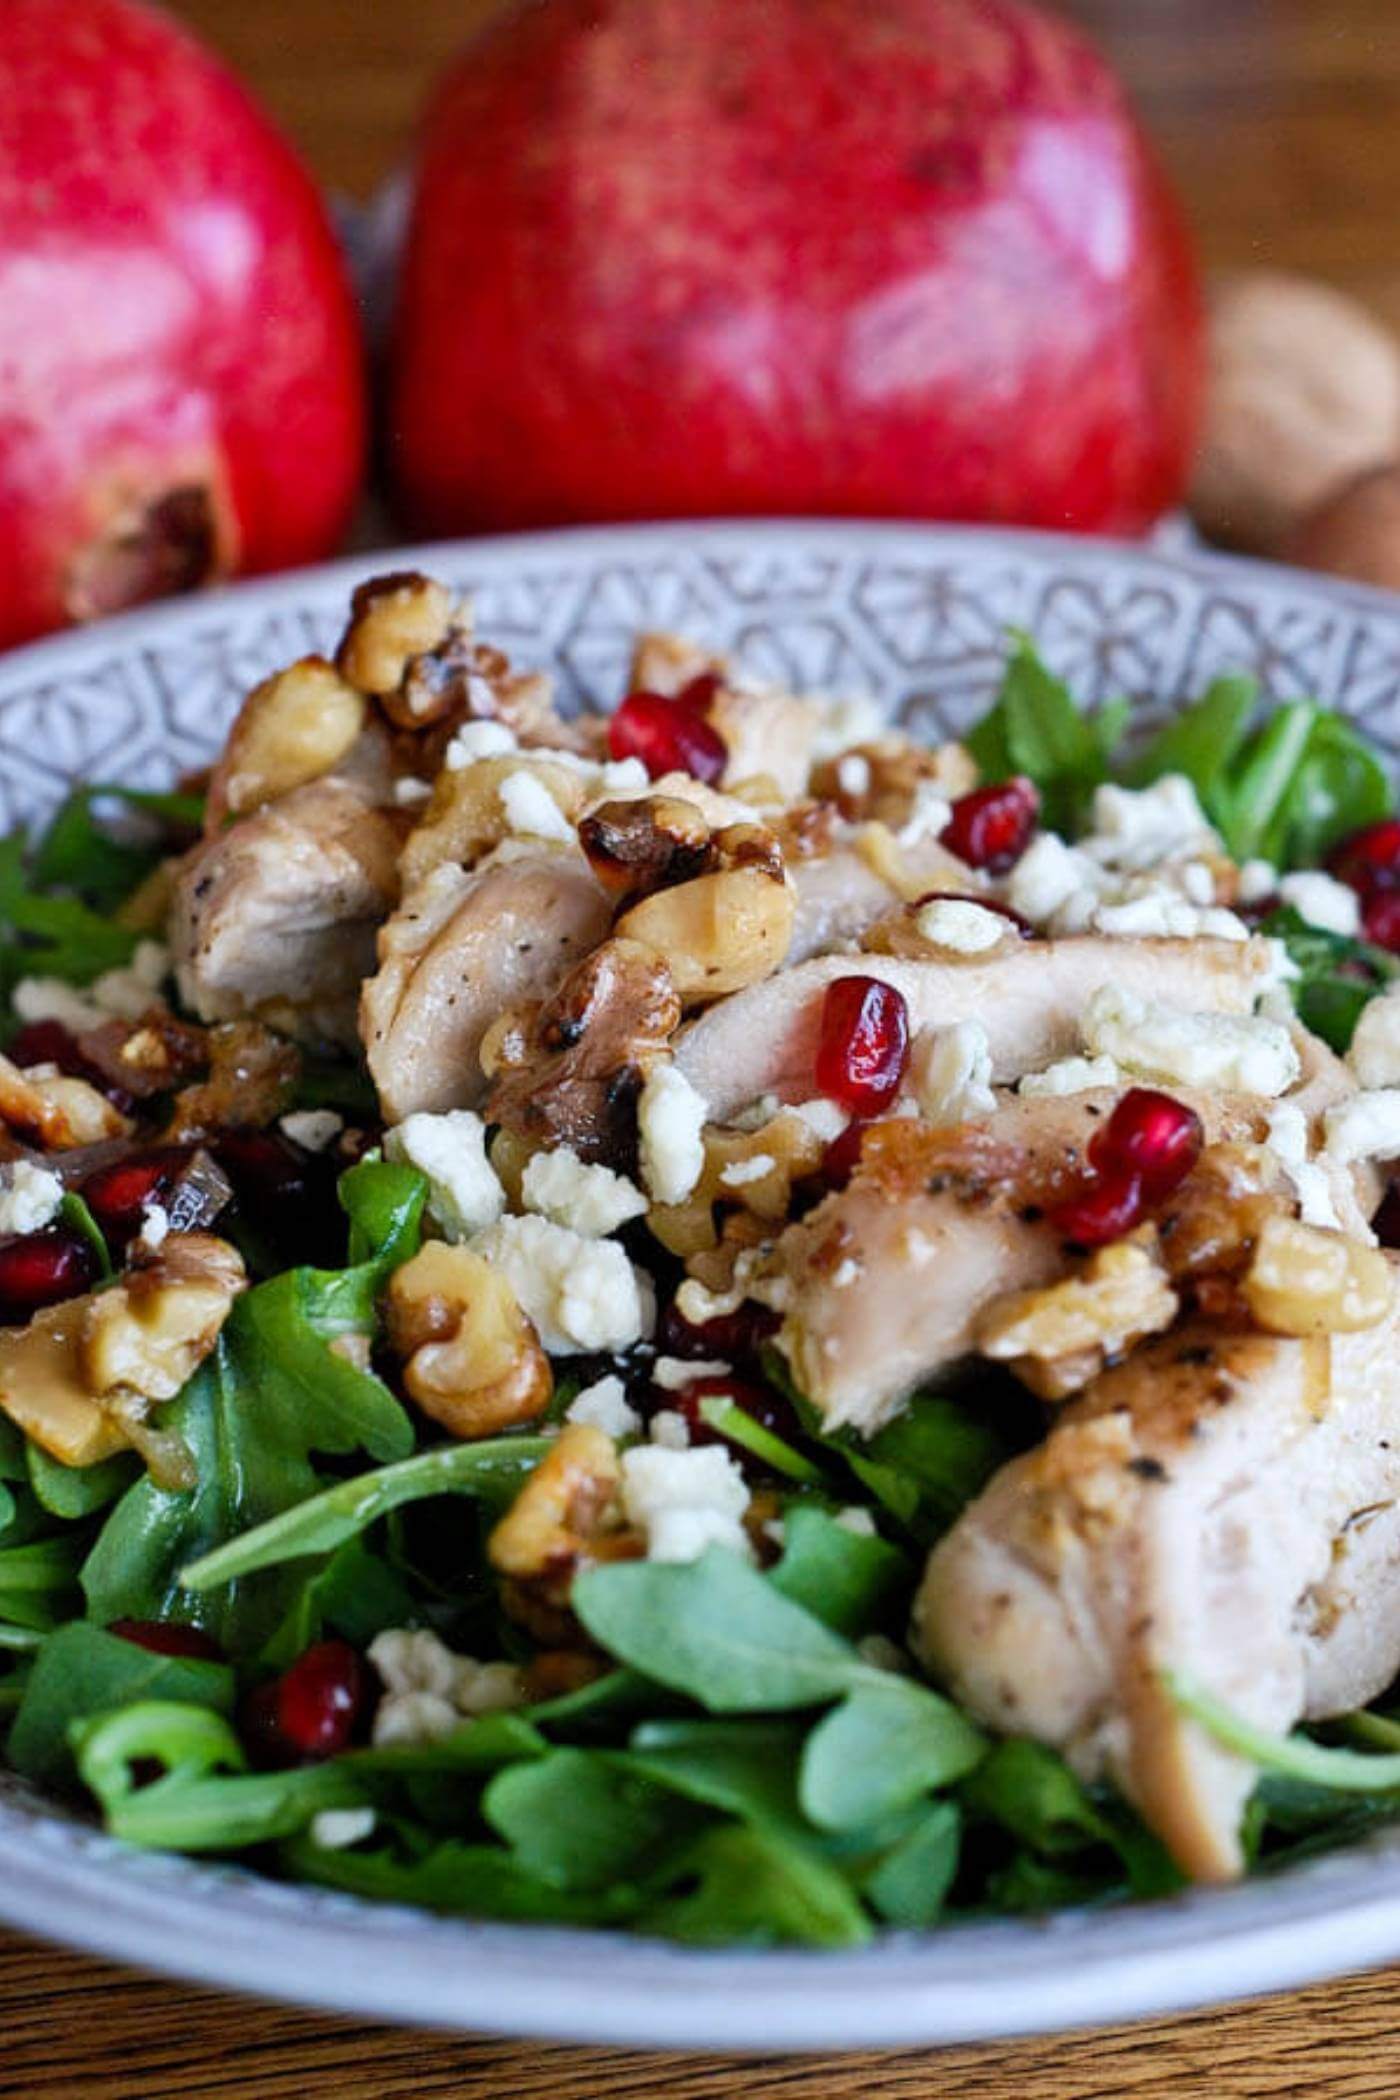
(277, 916)
(465, 945)
(841, 892)
(1029, 997)
(1223, 1506)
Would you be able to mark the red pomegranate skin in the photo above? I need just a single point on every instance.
(181, 378)
(677, 257)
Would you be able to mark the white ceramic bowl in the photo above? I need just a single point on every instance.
(918, 617)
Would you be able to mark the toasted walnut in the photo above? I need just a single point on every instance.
(58, 1111)
(1210, 1225)
(474, 1362)
(1309, 1280)
(152, 1055)
(636, 847)
(295, 726)
(81, 1376)
(251, 1078)
(753, 1170)
(470, 811)
(570, 1074)
(718, 933)
(880, 780)
(393, 619)
(569, 1499)
(666, 663)
(1058, 1338)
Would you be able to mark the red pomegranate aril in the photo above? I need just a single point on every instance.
(668, 736)
(43, 1268)
(319, 1699)
(863, 1044)
(991, 828)
(168, 1637)
(699, 692)
(50, 1043)
(1151, 1135)
(1105, 1210)
(1369, 859)
(1003, 911)
(842, 1155)
(1380, 919)
(117, 1195)
(730, 1335)
(263, 1740)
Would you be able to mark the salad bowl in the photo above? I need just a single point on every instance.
(918, 619)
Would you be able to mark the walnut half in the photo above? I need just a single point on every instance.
(1057, 1339)
(474, 1362)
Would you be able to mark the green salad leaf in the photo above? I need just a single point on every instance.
(81, 1671)
(890, 1742)
(1035, 728)
(1338, 975)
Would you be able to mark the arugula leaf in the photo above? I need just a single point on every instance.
(1031, 1793)
(890, 1742)
(737, 1427)
(759, 1887)
(746, 1768)
(74, 1492)
(81, 1671)
(1200, 741)
(52, 936)
(353, 1592)
(1292, 1756)
(848, 1579)
(1035, 728)
(494, 1468)
(1340, 975)
(74, 1213)
(717, 1630)
(483, 1880)
(38, 1581)
(583, 1819)
(207, 1800)
(929, 1463)
(908, 1883)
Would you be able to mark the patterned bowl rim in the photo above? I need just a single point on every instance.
(221, 1925)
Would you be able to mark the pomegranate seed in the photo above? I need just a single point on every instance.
(319, 1699)
(117, 1195)
(863, 1047)
(287, 1194)
(698, 694)
(1380, 919)
(263, 1740)
(168, 1637)
(50, 1043)
(730, 1335)
(1370, 859)
(1151, 1135)
(991, 828)
(1103, 1211)
(1003, 911)
(842, 1156)
(668, 736)
(43, 1268)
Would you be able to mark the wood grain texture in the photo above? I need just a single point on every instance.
(1281, 122)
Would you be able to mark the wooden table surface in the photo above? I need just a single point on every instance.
(1281, 121)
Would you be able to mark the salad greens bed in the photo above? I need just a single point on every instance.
(746, 1770)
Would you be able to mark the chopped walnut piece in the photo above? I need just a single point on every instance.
(393, 619)
(722, 931)
(1058, 1338)
(295, 726)
(880, 781)
(152, 1055)
(570, 1074)
(57, 1111)
(567, 1517)
(637, 847)
(252, 1073)
(1311, 1280)
(751, 1170)
(474, 1362)
(666, 663)
(467, 813)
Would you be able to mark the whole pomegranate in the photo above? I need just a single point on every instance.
(670, 257)
(181, 385)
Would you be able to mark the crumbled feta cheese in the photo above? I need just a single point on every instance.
(476, 740)
(1051, 877)
(531, 810)
(825, 1119)
(837, 723)
(50, 999)
(1161, 913)
(1365, 1127)
(1288, 1140)
(408, 792)
(685, 1501)
(1244, 1052)
(1258, 879)
(853, 775)
(1072, 1075)
(155, 1227)
(669, 1427)
(740, 1172)
(464, 1192)
(314, 1129)
(605, 1405)
(1322, 901)
(587, 1198)
(1374, 1055)
(1196, 881)
(968, 929)
(430, 1691)
(1138, 828)
(333, 1829)
(582, 1295)
(127, 993)
(757, 1114)
(29, 1198)
(674, 1373)
(671, 1118)
(856, 1520)
(929, 816)
(950, 1072)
